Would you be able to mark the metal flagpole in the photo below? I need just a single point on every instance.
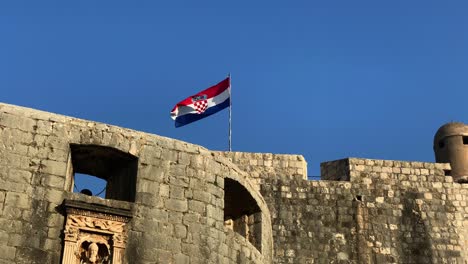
(230, 113)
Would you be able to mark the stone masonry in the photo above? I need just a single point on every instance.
(187, 204)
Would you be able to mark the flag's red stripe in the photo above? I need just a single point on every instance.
(210, 92)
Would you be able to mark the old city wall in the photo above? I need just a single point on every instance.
(368, 211)
(363, 211)
(177, 212)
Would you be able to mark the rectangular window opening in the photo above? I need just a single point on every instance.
(103, 171)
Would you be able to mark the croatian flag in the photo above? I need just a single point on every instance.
(202, 104)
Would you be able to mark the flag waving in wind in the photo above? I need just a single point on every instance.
(202, 104)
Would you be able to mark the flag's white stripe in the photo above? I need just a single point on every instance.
(190, 109)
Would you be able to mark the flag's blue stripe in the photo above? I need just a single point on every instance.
(189, 118)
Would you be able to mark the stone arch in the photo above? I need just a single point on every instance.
(247, 213)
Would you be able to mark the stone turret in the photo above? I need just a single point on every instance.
(451, 146)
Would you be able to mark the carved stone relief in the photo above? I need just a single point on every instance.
(92, 237)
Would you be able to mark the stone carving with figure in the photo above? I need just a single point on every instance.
(93, 237)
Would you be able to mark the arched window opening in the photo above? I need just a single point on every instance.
(241, 212)
(115, 172)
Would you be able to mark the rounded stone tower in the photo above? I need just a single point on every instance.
(451, 146)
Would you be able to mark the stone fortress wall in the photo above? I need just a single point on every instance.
(177, 213)
(181, 203)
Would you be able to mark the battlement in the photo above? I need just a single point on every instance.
(355, 169)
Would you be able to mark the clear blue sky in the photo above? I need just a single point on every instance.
(325, 79)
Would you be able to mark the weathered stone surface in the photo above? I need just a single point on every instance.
(176, 205)
(364, 210)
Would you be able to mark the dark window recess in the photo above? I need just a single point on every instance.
(104, 171)
(465, 140)
(447, 172)
(441, 144)
(241, 212)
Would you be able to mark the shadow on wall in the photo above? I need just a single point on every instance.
(415, 246)
(241, 213)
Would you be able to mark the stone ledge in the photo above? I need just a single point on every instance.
(119, 208)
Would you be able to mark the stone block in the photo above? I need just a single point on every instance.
(57, 182)
(170, 155)
(32, 255)
(220, 182)
(210, 177)
(12, 225)
(18, 122)
(196, 162)
(57, 143)
(54, 233)
(52, 244)
(213, 212)
(177, 205)
(164, 256)
(181, 259)
(148, 199)
(7, 252)
(15, 240)
(58, 155)
(18, 200)
(197, 206)
(55, 220)
(44, 127)
(54, 167)
(54, 196)
(177, 192)
(38, 152)
(202, 196)
(148, 186)
(3, 235)
(405, 170)
(11, 160)
(180, 231)
(20, 149)
(164, 190)
(150, 155)
(157, 214)
(183, 158)
(12, 212)
(179, 180)
(191, 218)
(2, 198)
(175, 217)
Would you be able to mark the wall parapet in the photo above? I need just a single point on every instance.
(355, 169)
(266, 166)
